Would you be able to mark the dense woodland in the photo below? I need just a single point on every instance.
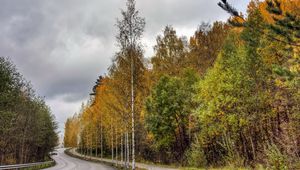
(228, 95)
(27, 127)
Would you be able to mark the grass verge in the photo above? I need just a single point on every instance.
(43, 166)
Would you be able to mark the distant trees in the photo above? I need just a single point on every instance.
(27, 127)
(72, 126)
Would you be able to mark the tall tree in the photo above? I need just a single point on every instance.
(168, 111)
(131, 28)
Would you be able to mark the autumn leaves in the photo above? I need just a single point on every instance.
(226, 96)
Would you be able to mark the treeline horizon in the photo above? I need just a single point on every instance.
(27, 126)
(229, 96)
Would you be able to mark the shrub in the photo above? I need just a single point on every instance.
(276, 160)
(195, 156)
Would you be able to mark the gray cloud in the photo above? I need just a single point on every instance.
(63, 45)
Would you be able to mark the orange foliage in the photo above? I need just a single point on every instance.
(292, 6)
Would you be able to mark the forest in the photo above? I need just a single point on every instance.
(227, 96)
(27, 127)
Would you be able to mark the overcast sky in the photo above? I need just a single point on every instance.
(62, 46)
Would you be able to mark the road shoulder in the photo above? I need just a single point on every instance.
(117, 164)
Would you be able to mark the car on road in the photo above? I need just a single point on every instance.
(52, 153)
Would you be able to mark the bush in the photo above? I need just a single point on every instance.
(195, 156)
(276, 160)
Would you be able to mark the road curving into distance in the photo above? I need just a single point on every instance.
(66, 162)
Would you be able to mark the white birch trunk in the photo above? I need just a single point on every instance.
(101, 131)
(121, 149)
(112, 143)
(96, 141)
(116, 148)
(132, 110)
(127, 138)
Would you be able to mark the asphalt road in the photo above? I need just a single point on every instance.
(138, 165)
(65, 162)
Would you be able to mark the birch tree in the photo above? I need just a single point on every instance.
(131, 27)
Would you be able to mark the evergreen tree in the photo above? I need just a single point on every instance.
(287, 23)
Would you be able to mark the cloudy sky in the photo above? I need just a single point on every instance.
(62, 46)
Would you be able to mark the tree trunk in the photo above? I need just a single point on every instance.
(91, 144)
(127, 138)
(101, 141)
(116, 148)
(101, 131)
(126, 150)
(121, 150)
(132, 110)
(112, 145)
(253, 148)
(96, 142)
